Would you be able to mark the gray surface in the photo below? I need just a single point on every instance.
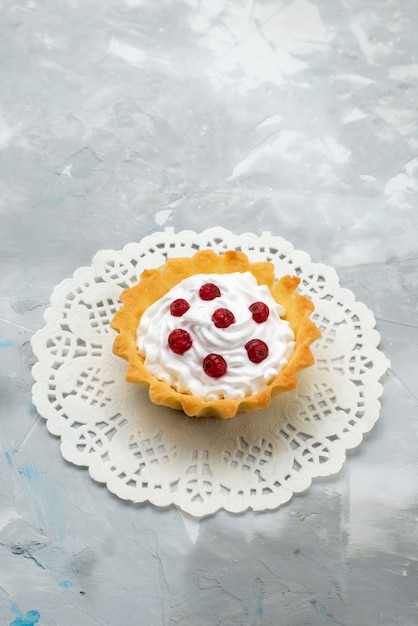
(120, 118)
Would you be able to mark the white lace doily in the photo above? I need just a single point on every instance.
(144, 452)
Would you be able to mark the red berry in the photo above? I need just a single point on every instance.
(222, 318)
(260, 311)
(179, 341)
(209, 291)
(214, 365)
(179, 307)
(257, 350)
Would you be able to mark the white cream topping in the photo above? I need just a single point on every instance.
(185, 372)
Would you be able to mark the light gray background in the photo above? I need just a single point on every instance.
(118, 118)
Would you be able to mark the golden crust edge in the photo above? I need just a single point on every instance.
(154, 283)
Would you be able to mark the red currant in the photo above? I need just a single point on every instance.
(260, 311)
(257, 350)
(222, 318)
(179, 341)
(179, 307)
(209, 291)
(214, 365)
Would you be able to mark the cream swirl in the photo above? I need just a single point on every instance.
(184, 372)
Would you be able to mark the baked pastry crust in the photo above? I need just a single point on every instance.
(155, 283)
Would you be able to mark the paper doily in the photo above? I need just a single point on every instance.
(144, 452)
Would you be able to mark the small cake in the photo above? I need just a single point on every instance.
(214, 335)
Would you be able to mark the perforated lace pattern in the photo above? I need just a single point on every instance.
(144, 452)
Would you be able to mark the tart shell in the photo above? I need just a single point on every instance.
(155, 283)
